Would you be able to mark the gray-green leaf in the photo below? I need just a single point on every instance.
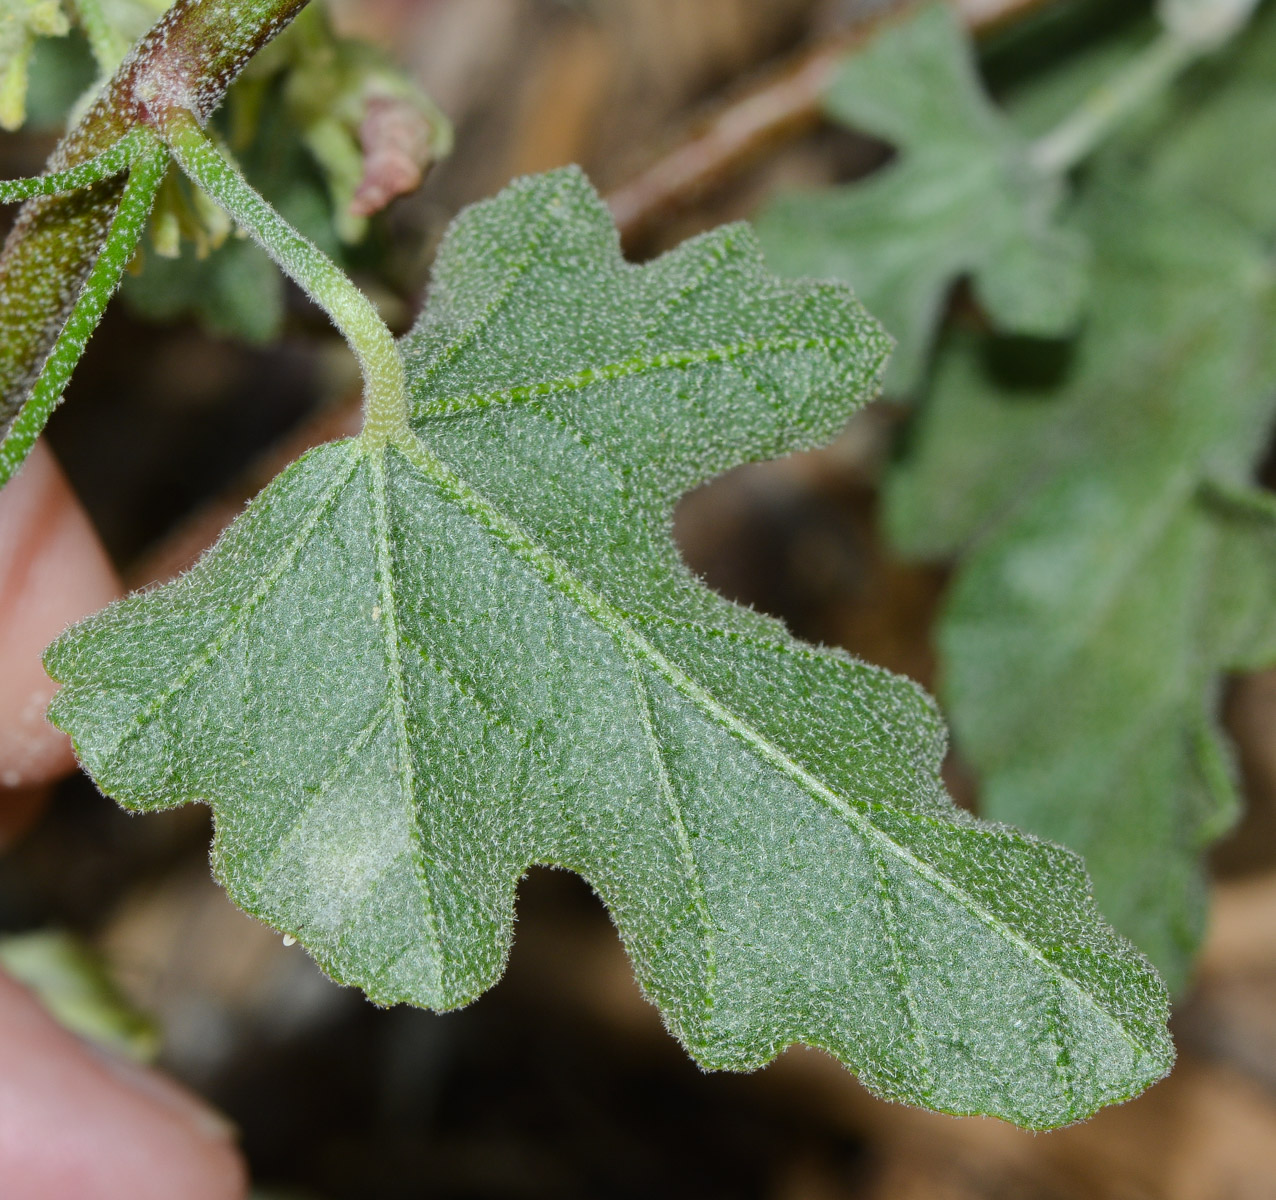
(413, 669)
(962, 198)
(1114, 568)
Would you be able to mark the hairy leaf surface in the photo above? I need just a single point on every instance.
(413, 668)
(1116, 560)
(962, 198)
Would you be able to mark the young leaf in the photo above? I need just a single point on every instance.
(1106, 589)
(963, 198)
(21, 23)
(421, 662)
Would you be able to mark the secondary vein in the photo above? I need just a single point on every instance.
(637, 366)
(237, 616)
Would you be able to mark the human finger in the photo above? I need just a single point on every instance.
(53, 571)
(76, 1123)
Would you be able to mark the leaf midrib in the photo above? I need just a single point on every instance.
(389, 623)
(557, 574)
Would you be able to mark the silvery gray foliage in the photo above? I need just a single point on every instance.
(421, 662)
(964, 197)
(1115, 558)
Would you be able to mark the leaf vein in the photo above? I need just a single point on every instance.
(1064, 1076)
(354, 745)
(899, 964)
(394, 672)
(236, 618)
(625, 368)
(518, 269)
(707, 272)
(558, 574)
(691, 869)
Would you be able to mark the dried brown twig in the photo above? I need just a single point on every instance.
(781, 106)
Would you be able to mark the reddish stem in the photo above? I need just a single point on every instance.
(188, 59)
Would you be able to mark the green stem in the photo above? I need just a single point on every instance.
(126, 228)
(109, 49)
(1106, 108)
(385, 384)
(111, 162)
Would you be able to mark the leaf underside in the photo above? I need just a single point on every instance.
(1115, 562)
(961, 199)
(413, 669)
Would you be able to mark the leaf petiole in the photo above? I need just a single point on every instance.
(385, 384)
(1077, 136)
(111, 162)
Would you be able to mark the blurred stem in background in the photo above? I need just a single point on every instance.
(1191, 29)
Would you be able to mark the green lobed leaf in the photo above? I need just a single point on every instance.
(414, 668)
(961, 199)
(1115, 562)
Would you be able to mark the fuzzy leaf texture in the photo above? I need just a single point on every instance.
(961, 199)
(1116, 559)
(412, 670)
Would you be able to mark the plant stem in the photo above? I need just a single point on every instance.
(194, 52)
(1191, 29)
(130, 218)
(385, 384)
(1071, 141)
(109, 163)
(189, 57)
(783, 104)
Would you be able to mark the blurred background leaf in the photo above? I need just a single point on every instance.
(962, 200)
(74, 984)
(1101, 593)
